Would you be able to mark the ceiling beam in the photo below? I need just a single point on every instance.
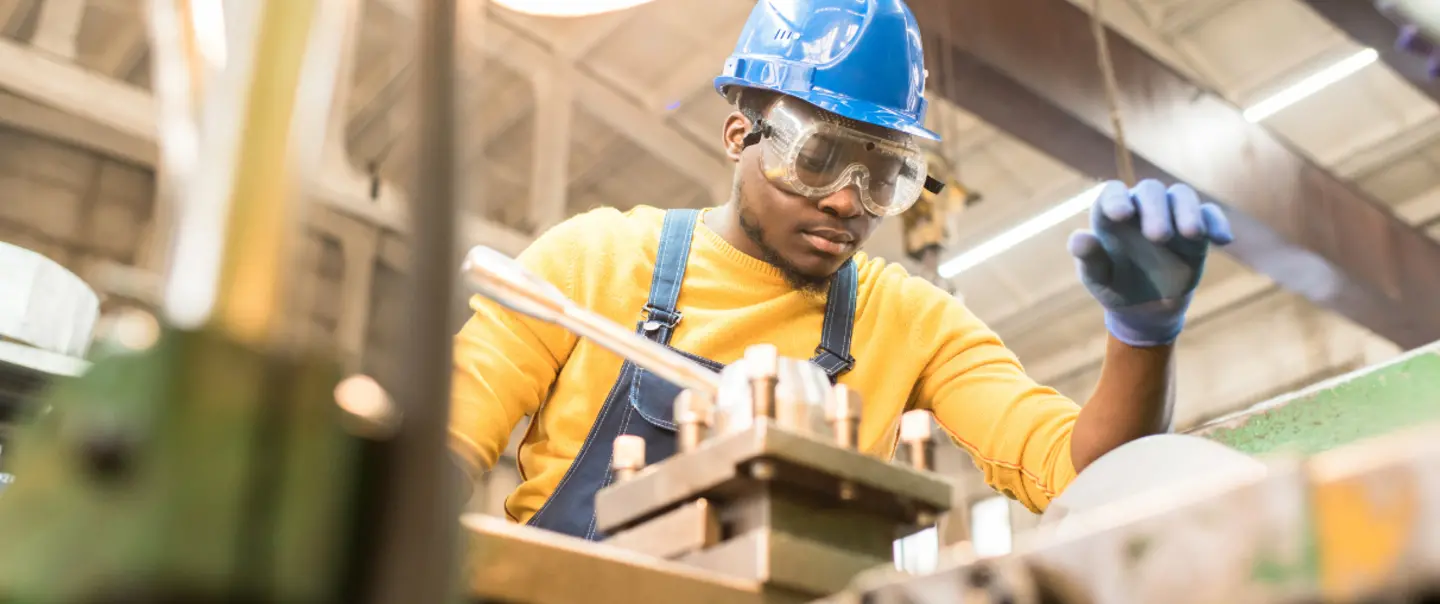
(58, 27)
(1364, 23)
(524, 55)
(1029, 67)
(116, 108)
(550, 166)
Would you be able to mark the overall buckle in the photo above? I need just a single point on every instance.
(655, 318)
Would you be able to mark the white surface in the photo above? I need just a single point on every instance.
(41, 360)
(990, 532)
(1145, 467)
(43, 304)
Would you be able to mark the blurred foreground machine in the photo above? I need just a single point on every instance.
(765, 500)
(47, 315)
(204, 456)
(1356, 524)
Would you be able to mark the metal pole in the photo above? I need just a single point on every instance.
(421, 524)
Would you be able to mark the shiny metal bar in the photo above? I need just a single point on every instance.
(511, 563)
(503, 279)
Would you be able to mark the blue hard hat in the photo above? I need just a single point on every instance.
(859, 59)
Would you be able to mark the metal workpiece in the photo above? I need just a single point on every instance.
(629, 456)
(797, 400)
(509, 563)
(719, 471)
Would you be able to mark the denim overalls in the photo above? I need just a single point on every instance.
(640, 403)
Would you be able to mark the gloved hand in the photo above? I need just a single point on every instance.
(1144, 257)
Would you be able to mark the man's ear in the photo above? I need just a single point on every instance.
(736, 127)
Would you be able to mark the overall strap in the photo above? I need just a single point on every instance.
(661, 316)
(833, 355)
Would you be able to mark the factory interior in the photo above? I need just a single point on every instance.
(220, 218)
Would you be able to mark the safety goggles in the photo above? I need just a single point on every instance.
(815, 153)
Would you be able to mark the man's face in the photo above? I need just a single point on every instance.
(807, 239)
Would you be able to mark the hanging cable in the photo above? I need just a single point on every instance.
(1124, 163)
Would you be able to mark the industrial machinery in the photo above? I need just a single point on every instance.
(766, 487)
(47, 315)
(765, 504)
(205, 456)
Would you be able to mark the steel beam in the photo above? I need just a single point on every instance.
(1029, 67)
(1363, 22)
(124, 127)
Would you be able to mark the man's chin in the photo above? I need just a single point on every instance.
(810, 273)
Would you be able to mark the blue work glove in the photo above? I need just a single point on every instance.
(1144, 257)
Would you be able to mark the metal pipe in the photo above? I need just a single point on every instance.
(419, 533)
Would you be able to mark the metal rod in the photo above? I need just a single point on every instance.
(503, 279)
(653, 357)
(419, 535)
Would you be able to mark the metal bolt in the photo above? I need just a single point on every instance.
(915, 433)
(762, 470)
(925, 518)
(843, 413)
(762, 365)
(848, 492)
(629, 456)
(693, 417)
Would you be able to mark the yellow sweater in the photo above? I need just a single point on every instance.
(914, 346)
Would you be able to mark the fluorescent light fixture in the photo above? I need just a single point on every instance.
(1013, 237)
(568, 8)
(1311, 85)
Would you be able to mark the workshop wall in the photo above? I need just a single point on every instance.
(1271, 344)
(75, 207)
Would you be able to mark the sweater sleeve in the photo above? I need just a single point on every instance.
(505, 362)
(1017, 431)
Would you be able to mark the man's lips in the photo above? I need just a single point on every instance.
(829, 241)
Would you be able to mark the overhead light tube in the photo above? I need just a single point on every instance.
(1311, 85)
(1025, 230)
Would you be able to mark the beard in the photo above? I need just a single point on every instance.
(794, 277)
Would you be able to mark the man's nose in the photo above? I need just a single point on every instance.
(844, 203)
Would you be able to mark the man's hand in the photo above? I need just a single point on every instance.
(1144, 257)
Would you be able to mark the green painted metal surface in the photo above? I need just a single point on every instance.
(197, 469)
(1371, 402)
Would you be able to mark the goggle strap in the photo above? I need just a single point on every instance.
(753, 138)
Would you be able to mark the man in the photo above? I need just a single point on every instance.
(829, 107)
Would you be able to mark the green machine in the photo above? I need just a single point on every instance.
(1374, 401)
(203, 457)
